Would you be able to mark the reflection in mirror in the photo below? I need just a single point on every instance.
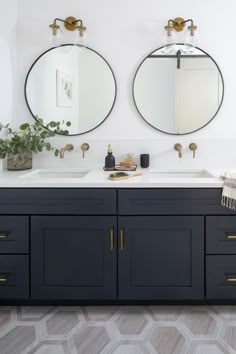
(71, 83)
(179, 90)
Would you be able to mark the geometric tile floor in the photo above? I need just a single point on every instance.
(118, 330)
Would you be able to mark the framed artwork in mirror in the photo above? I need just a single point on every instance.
(64, 88)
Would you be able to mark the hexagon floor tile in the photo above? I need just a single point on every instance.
(167, 339)
(99, 313)
(131, 321)
(92, 339)
(17, 340)
(129, 346)
(165, 313)
(200, 323)
(228, 335)
(32, 313)
(118, 330)
(206, 347)
(50, 347)
(62, 322)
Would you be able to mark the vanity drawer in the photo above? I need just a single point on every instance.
(14, 234)
(58, 201)
(14, 277)
(171, 201)
(221, 277)
(221, 234)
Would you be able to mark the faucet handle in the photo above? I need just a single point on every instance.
(178, 147)
(84, 147)
(193, 148)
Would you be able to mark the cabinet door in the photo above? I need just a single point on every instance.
(161, 257)
(73, 257)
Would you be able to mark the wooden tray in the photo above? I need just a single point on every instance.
(117, 176)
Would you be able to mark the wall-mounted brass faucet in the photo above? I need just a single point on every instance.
(193, 148)
(178, 147)
(68, 147)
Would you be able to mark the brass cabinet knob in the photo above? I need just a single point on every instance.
(193, 148)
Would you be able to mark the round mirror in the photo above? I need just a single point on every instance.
(179, 89)
(71, 85)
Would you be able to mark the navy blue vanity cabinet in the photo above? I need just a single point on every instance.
(121, 245)
(73, 257)
(161, 257)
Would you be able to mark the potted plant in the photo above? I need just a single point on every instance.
(20, 144)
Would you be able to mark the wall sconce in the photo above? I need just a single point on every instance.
(178, 25)
(71, 24)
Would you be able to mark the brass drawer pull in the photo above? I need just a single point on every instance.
(122, 239)
(112, 239)
(231, 280)
(3, 236)
(231, 237)
(3, 280)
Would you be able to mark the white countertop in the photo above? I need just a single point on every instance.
(97, 178)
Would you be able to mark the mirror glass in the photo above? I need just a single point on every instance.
(178, 91)
(71, 84)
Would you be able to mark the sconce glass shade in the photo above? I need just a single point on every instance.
(80, 40)
(57, 38)
(189, 39)
(168, 40)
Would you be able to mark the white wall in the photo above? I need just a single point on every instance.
(8, 57)
(124, 32)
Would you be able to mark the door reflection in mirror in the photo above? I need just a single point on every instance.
(180, 91)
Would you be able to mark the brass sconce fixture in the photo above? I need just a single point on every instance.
(178, 25)
(70, 24)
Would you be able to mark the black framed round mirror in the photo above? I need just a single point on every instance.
(178, 89)
(71, 84)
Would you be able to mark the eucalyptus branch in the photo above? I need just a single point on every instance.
(30, 137)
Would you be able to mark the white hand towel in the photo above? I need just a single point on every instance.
(229, 191)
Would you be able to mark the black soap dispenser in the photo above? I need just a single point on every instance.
(110, 159)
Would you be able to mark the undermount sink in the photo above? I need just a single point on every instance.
(56, 173)
(181, 174)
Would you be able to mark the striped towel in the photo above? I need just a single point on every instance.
(229, 191)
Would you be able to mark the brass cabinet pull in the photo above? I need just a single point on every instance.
(231, 237)
(122, 239)
(3, 280)
(231, 280)
(112, 239)
(3, 235)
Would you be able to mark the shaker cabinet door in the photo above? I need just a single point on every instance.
(161, 258)
(73, 257)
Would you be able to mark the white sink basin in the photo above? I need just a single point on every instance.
(181, 174)
(56, 173)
